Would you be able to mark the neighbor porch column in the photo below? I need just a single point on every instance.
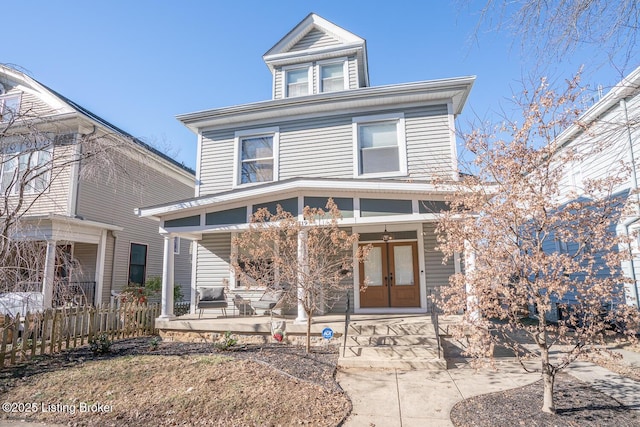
(469, 268)
(49, 275)
(303, 268)
(167, 278)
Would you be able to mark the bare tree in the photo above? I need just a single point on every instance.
(310, 260)
(558, 27)
(532, 248)
(36, 153)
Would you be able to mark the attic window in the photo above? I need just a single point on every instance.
(332, 77)
(298, 80)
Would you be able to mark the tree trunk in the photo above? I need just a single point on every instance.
(308, 347)
(548, 379)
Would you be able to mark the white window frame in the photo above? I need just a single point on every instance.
(176, 245)
(285, 84)
(274, 132)
(401, 138)
(345, 72)
(34, 155)
(3, 100)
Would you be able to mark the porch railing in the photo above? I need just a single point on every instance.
(432, 307)
(64, 292)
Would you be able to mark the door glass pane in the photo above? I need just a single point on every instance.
(403, 262)
(373, 267)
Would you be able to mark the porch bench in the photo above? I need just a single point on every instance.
(211, 297)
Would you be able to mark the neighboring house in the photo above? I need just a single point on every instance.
(607, 136)
(88, 219)
(326, 133)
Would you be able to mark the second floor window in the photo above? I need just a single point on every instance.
(137, 263)
(24, 167)
(9, 107)
(380, 145)
(256, 156)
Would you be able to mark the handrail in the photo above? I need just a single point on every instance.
(434, 318)
(347, 319)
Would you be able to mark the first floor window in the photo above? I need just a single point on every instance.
(380, 147)
(137, 263)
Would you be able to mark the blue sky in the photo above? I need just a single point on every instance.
(140, 63)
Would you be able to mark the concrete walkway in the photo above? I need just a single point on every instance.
(390, 398)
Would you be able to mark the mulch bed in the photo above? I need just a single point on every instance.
(577, 404)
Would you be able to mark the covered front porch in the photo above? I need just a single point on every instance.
(74, 256)
(398, 219)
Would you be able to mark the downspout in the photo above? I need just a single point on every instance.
(634, 187)
(113, 262)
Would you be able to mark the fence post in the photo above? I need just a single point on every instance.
(5, 338)
(14, 343)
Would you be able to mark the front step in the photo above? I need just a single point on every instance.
(405, 344)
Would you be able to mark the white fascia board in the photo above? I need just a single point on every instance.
(335, 186)
(391, 96)
(626, 87)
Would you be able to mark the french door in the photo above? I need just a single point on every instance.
(389, 276)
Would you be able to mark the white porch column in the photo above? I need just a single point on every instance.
(303, 269)
(49, 274)
(100, 265)
(469, 267)
(167, 278)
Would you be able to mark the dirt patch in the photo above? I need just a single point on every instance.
(180, 384)
(577, 404)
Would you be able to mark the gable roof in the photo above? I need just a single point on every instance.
(316, 38)
(64, 105)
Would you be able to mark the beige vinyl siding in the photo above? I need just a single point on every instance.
(55, 199)
(113, 202)
(314, 39)
(437, 273)
(32, 106)
(214, 252)
(353, 73)
(428, 142)
(85, 254)
(216, 164)
(320, 147)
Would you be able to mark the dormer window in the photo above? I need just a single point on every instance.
(298, 81)
(332, 76)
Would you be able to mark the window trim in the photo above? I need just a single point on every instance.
(176, 245)
(30, 188)
(239, 136)
(334, 61)
(146, 261)
(401, 138)
(285, 84)
(3, 98)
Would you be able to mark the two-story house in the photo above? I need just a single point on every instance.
(327, 133)
(49, 145)
(606, 137)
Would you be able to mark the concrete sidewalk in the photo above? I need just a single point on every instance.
(425, 398)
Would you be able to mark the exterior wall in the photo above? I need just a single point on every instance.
(437, 273)
(323, 148)
(353, 73)
(55, 199)
(30, 103)
(85, 254)
(214, 254)
(113, 201)
(314, 39)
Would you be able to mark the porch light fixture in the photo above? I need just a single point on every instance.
(386, 236)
